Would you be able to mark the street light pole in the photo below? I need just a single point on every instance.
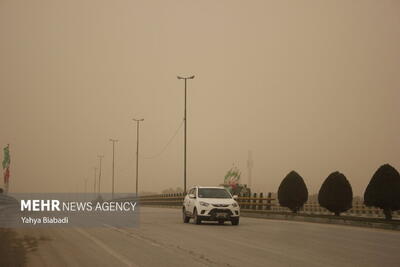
(100, 158)
(95, 179)
(85, 195)
(185, 131)
(137, 153)
(113, 165)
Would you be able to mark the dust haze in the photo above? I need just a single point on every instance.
(311, 86)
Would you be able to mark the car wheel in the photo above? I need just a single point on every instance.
(235, 221)
(186, 219)
(196, 218)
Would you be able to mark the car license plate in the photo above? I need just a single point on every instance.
(219, 214)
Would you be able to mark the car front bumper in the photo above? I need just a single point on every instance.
(218, 213)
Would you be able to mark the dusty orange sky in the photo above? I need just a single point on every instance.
(312, 86)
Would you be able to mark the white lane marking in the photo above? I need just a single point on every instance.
(131, 235)
(107, 248)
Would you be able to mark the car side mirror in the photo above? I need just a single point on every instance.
(192, 196)
(235, 197)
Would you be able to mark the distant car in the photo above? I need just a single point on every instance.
(210, 204)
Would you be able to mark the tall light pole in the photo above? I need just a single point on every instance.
(100, 158)
(113, 165)
(185, 122)
(95, 179)
(249, 169)
(137, 153)
(85, 195)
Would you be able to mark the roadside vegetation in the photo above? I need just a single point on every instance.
(336, 195)
(383, 191)
(292, 192)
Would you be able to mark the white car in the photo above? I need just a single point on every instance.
(210, 204)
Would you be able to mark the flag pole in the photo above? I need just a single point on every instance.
(8, 172)
(6, 168)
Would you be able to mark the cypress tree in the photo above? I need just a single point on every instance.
(292, 192)
(383, 191)
(336, 194)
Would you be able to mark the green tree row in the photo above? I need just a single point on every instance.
(336, 194)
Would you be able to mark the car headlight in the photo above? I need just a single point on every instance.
(234, 204)
(205, 204)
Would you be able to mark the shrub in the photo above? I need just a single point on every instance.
(292, 192)
(336, 194)
(383, 191)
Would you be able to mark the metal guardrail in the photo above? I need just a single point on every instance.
(246, 202)
(4, 199)
(261, 203)
(7, 202)
(254, 202)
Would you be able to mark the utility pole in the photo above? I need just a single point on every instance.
(249, 169)
(113, 165)
(185, 131)
(100, 158)
(137, 153)
(85, 195)
(95, 179)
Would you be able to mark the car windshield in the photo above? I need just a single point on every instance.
(213, 193)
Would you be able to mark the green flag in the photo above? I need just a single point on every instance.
(6, 160)
(233, 175)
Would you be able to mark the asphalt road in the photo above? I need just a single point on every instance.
(162, 239)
